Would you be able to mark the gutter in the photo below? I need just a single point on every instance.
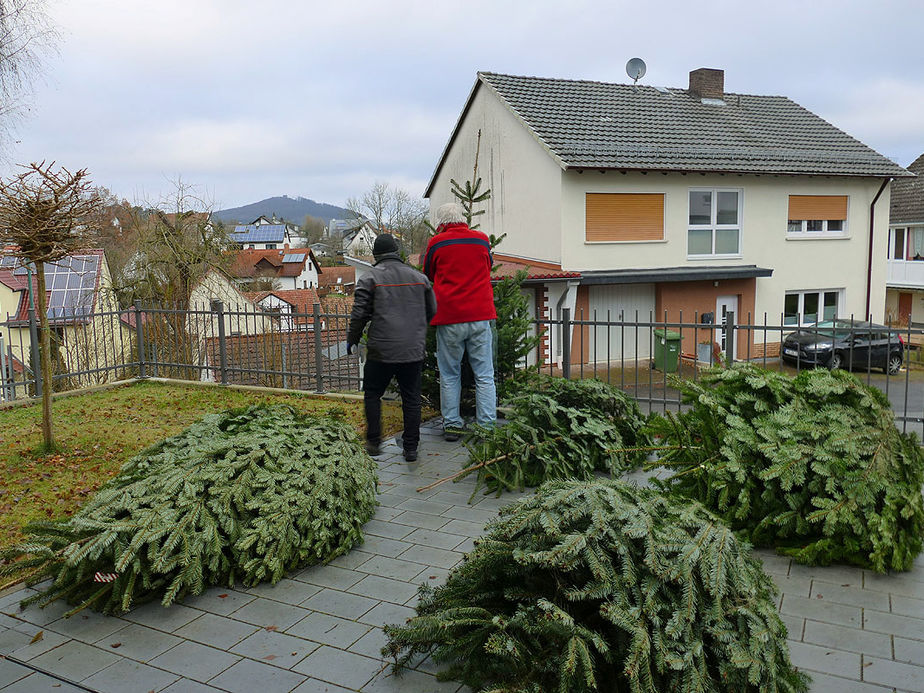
(869, 260)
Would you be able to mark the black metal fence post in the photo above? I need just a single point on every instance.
(566, 343)
(729, 337)
(319, 382)
(139, 338)
(36, 358)
(218, 308)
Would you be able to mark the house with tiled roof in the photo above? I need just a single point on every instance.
(264, 234)
(91, 334)
(290, 268)
(905, 280)
(670, 202)
(337, 279)
(293, 307)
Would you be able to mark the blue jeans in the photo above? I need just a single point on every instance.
(451, 342)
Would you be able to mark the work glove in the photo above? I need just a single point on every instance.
(350, 348)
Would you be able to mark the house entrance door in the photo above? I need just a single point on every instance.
(723, 306)
(904, 308)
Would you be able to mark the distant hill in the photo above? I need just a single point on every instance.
(292, 209)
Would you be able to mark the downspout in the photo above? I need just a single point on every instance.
(869, 262)
(569, 286)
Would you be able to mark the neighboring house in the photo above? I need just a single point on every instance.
(361, 265)
(357, 235)
(264, 234)
(293, 308)
(905, 280)
(674, 201)
(322, 250)
(242, 317)
(338, 279)
(91, 334)
(291, 268)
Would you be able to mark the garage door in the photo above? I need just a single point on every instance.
(613, 307)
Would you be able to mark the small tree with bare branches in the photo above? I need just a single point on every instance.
(44, 213)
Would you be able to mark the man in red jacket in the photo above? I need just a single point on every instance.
(458, 262)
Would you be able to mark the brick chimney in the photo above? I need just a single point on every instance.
(707, 83)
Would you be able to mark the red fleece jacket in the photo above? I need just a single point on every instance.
(458, 262)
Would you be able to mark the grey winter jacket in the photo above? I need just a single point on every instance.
(398, 303)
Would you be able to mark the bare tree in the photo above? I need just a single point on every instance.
(45, 214)
(393, 210)
(313, 229)
(25, 34)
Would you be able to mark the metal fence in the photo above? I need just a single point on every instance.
(307, 351)
(642, 355)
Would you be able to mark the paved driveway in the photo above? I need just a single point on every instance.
(320, 628)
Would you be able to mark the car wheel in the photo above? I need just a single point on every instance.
(835, 361)
(895, 364)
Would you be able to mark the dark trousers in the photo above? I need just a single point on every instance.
(376, 376)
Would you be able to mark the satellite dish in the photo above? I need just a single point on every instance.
(635, 68)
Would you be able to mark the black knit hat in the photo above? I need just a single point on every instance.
(384, 243)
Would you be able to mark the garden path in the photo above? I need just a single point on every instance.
(320, 628)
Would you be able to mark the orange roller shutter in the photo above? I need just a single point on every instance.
(624, 217)
(818, 207)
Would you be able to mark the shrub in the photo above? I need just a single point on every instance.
(812, 465)
(241, 496)
(559, 429)
(602, 586)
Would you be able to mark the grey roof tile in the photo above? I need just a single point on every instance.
(907, 204)
(600, 125)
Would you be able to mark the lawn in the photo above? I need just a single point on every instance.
(99, 431)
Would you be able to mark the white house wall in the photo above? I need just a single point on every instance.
(797, 264)
(524, 180)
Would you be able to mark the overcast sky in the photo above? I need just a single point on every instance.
(322, 99)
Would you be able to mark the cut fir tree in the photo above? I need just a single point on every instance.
(243, 496)
(812, 465)
(603, 586)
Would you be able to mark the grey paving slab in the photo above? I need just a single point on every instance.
(383, 528)
(35, 644)
(39, 683)
(385, 589)
(852, 595)
(438, 540)
(382, 546)
(407, 681)
(10, 672)
(126, 676)
(195, 661)
(342, 604)
(909, 651)
(286, 590)
(827, 660)
(821, 611)
(316, 686)
(139, 642)
(415, 519)
(189, 686)
(427, 555)
(393, 568)
(371, 644)
(248, 676)
(218, 600)
(906, 606)
(893, 624)
(166, 619)
(336, 576)
(277, 649)
(87, 626)
(267, 613)
(386, 614)
(217, 631)
(907, 677)
(464, 527)
(348, 562)
(825, 683)
(846, 638)
(74, 660)
(329, 630)
(42, 616)
(346, 669)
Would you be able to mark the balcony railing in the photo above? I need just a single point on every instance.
(908, 273)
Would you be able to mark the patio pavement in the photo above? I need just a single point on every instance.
(320, 628)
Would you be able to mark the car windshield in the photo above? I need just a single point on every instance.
(837, 329)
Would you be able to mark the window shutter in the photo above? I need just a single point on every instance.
(829, 207)
(624, 217)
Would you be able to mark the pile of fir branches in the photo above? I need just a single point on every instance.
(241, 496)
(813, 465)
(603, 586)
(559, 429)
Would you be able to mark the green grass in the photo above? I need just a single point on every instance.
(97, 432)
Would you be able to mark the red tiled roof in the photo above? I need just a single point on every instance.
(262, 263)
(329, 275)
(301, 300)
(507, 266)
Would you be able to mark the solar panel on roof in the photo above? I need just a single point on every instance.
(268, 233)
(71, 285)
(294, 257)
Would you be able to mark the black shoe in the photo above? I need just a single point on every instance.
(410, 455)
(451, 436)
(373, 449)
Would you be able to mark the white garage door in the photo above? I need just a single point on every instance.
(619, 304)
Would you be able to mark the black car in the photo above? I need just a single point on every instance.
(845, 344)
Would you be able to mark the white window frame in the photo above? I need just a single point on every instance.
(824, 233)
(801, 293)
(713, 226)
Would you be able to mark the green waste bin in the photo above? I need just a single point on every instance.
(666, 350)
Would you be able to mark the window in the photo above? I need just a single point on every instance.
(271, 246)
(907, 244)
(714, 223)
(624, 217)
(817, 215)
(809, 307)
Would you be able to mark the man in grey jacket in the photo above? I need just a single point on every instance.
(397, 302)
